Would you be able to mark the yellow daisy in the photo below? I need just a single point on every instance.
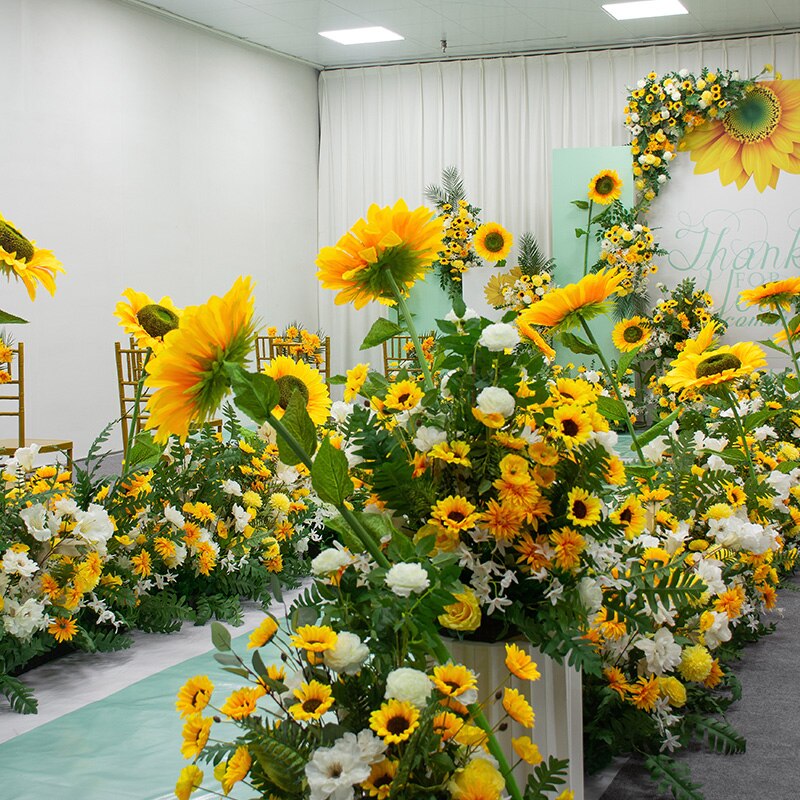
(263, 633)
(455, 513)
(519, 663)
(190, 779)
(453, 680)
(492, 242)
(292, 376)
(630, 334)
(392, 246)
(355, 380)
(242, 702)
(527, 750)
(568, 545)
(195, 735)
(236, 768)
(188, 378)
(518, 708)
(605, 187)
(403, 396)
(22, 259)
(145, 320)
(314, 638)
(63, 629)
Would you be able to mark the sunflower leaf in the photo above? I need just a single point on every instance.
(381, 330)
(582, 204)
(11, 319)
(299, 425)
(626, 360)
(255, 394)
(768, 317)
(611, 408)
(329, 474)
(578, 345)
(772, 346)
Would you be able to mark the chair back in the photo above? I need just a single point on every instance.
(12, 389)
(270, 347)
(400, 355)
(263, 351)
(130, 368)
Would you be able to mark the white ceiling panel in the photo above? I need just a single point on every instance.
(471, 27)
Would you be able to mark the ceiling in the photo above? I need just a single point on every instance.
(470, 27)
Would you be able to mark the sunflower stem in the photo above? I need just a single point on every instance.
(137, 399)
(789, 340)
(363, 535)
(586, 246)
(443, 655)
(412, 331)
(734, 406)
(617, 391)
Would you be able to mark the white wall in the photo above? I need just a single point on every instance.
(150, 154)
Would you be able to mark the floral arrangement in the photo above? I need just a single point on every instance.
(300, 343)
(525, 283)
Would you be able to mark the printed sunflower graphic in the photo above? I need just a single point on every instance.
(758, 139)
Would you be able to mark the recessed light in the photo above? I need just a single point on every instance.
(361, 35)
(645, 8)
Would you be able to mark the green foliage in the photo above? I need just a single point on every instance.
(381, 330)
(547, 778)
(718, 735)
(673, 776)
(18, 695)
(164, 612)
(300, 427)
(530, 257)
(330, 476)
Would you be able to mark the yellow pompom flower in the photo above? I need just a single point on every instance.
(671, 688)
(492, 242)
(392, 247)
(22, 259)
(479, 780)
(695, 663)
(188, 376)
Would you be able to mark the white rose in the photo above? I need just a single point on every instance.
(591, 594)
(21, 620)
(405, 579)
(329, 561)
(18, 564)
(41, 526)
(409, 685)
(468, 314)
(428, 437)
(340, 411)
(347, 655)
(499, 336)
(494, 400)
(232, 488)
(25, 456)
(174, 516)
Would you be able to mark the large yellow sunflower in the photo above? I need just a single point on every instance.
(188, 378)
(758, 139)
(564, 308)
(392, 241)
(605, 187)
(140, 311)
(395, 721)
(28, 263)
(724, 364)
(773, 294)
(628, 334)
(291, 376)
(492, 242)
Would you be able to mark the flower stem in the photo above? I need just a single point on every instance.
(586, 246)
(412, 331)
(789, 341)
(617, 391)
(740, 426)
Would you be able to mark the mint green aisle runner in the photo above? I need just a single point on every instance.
(124, 747)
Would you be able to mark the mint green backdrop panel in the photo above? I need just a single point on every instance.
(572, 171)
(428, 302)
(124, 747)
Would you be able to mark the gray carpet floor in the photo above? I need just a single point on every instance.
(768, 716)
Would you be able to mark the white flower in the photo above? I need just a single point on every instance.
(719, 631)
(332, 772)
(41, 525)
(591, 594)
(241, 516)
(232, 488)
(718, 464)
(709, 570)
(25, 456)
(654, 451)
(347, 655)
(370, 747)
(428, 437)
(21, 620)
(65, 506)
(468, 314)
(267, 433)
(329, 561)
(494, 400)
(340, 411)
(607, 440)
(174, 516)
(405, 579)
(661, 652)
(499, 336)
(93, 525)
(410, 685)
(19, 564)
(177, 559)
(764, 432)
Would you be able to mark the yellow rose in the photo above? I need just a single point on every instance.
(464, 614)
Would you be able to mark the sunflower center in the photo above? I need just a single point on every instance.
(157, 320)
(756, 118)
(397, 725)
(633, 334)
(604, 185)
(12, 241)
(288, 385)
(403, 398)
(312, 704)
(714, 365)
(384, 780)
(493, 242)
(455, 516)
(570, 427)
(626, 515)
(579, 509)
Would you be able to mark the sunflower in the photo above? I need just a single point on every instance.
(709, 368)
(630, 516)
(403, 396)
(315, 638)
(583, 508)
(571, 424)
(630, 334)
(242, 702)
(379, 783)
(527, 331)
(395, 721)
(145, 320)
(564, 308)
(454, 680)
(773, 294)
(236, 768)
(518, 708)
(605, 187)
(492, 242)
(263, 633)
(758, 139)
(195, 735)
(520, 663)
(393, 246)
(21, 258)
(455, 513)
(355, 380)
(188, 377)
(447, 725)
(573, 390)
(291, 376)
(314, 698)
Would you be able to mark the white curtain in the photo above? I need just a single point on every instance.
(387, 132)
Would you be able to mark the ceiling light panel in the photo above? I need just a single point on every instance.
(362, 35)
(645, 9)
